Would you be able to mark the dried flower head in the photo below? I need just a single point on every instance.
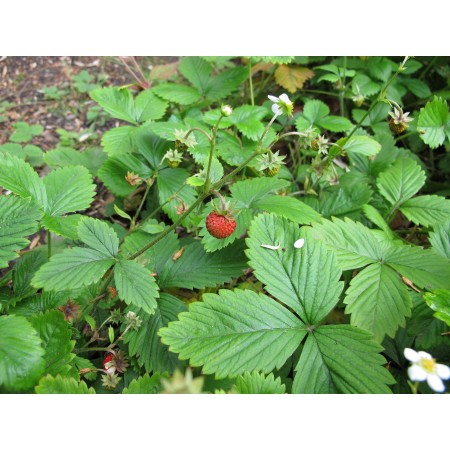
(182, 142)
(70, 310)
(173, 157)
(118, 362)
(132, 320)
(110, 380)
(398, 122)
(270, 163)
(132, 179)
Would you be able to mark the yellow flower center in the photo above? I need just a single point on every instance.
(428, 364)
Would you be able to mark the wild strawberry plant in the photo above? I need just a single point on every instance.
(227, 240)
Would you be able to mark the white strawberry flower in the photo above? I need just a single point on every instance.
(424, 367)
(282, 105)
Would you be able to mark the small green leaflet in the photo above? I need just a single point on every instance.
(62, 385)
(258, 383)
(434, 123)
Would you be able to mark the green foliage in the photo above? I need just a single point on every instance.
(426, 210)
(440, 239)
(24, 132)
(18, 219)
(21, 354)
(434, 123)
(258, 383)
(136, 285)
(145, 385)
(55, 335)
(439, 301)
(62, 385)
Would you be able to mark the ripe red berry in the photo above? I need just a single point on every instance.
(220, 226)
(107, 359)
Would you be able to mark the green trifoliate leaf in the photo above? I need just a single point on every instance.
(20, 178)
(69, 189)
(145, 385)
(426, 210)
(247, 192)
(119, 141)
(71, 269)
(288, 207)
(197, 269)
(21, 354)
(25, 132)
(99, 236)
(18, 219)
(225, 83)
(401, 181)
(341, 358)
(440, 239)
(361, 145)
(234, 332)
(197, 71)
(433, 123)
(424, 268)
(439, 301)
(354, 244)
(149, 107)
(117, 102)
(177, 93)
(145, 342)
(55, 334)
(375, 217)
(24, 270)
(306, 278)
(378, 301)
(248, 120)
(66, 226)
(62, 385)
(136, 285)
(258, 383)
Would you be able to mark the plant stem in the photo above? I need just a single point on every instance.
(342, 89)
(211, 153)
(49, 244)
(250, 78)
(144, 197)
(198, 129)
(429, 66)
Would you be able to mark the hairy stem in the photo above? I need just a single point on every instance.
(250, 79)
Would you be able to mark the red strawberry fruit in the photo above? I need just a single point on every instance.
(220, 225)
(108, 358)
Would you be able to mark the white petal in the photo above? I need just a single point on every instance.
(417, 373)
(443, 371)
(271, 247)
(285, 99)
(411, 355)
(425, 355)
(435, 383)
(273, 99)
(299, 243)
(276, 110)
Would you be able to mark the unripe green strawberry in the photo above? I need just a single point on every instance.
(220, 225)
(173, 164)
(397, 128)
(271, 172)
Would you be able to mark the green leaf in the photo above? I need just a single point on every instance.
(417, 87)
(378, 301)
(18, 219)
(365, 85)
(401, 181)
(177, 93)
(69, 189)
(145, 385)
(426, 210)
(136, 285)
(20, 178)
(433, 123)
(247, 192)
(62, 385)
(375, 217)
(98, 235)
(115, 101)
(66, 226)
(225, 83)
(440, 239)
(335, 123)
(169, 182)
(361, 145)
(197, 71)
(424, 268)
(234, 332)
(306, 279)
(21, 354)
(55, 334)
(24, 270)
(288, 207)
(40, 303)
(71, 269)
(258, 383)
(341, 358)
(248, 120)
(24, 132)
(439, 301)
(315, 110)
(197, 269)
(145, 342)
(354, 244)
(149, 107)
(118, 141)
